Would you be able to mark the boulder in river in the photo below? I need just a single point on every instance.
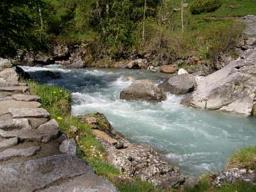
(179, 84)
(143, 90)
(169, 69)
(137, 64)
(182, 71)
(230, 89)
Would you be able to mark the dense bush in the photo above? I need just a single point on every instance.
(202, 6)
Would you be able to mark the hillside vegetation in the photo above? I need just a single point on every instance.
(118, 29)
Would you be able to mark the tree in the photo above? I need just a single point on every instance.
(18, 24)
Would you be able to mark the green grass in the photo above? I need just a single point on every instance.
(58, 101)
(244, 158)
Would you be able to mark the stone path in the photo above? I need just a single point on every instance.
(30, 157)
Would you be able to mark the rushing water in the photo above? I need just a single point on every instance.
(198, 141)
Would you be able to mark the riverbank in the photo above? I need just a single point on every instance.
(97, 155)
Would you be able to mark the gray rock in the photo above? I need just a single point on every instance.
(5, 63)
(119, 145)
(22, 97)
(59, 173)
(8, 142)
(182, 71)
(230, 89)
(36, 122)
(179, 84)
(14, 89)
(250, 22)
(143, 90)
(28, 112)
(68, 146)
(48, 130)
(88, 182)
(137, 64)
(9, 75)
(14, 124)
(19, 152)
(44, 133)
(5, 105)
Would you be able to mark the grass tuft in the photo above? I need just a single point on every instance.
(244, 158)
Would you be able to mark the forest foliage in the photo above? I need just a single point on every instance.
(118, 28)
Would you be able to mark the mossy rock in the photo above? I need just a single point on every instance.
(244, 158)
(97, 121)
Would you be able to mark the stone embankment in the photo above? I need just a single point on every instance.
(34, 154)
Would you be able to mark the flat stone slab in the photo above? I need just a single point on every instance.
(9, 142)
(40, 173)
(9, 75)
(44, 133)
(14, 124)
(5, 105)
(29, 112)
(85, 183)
(22, 97)
(15, 89)
(26, 152)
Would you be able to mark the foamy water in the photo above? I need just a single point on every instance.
(198, 141)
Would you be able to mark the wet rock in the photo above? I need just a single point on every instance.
(8, 142)
(19, 152)
(28, 112)
(169, 69)
(182, 71)
(143, 90)
(180, 84)
(68, 146)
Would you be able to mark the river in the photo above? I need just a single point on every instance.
(197, 141)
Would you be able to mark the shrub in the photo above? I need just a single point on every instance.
(204, 6)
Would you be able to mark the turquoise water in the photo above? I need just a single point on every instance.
(198, 141)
